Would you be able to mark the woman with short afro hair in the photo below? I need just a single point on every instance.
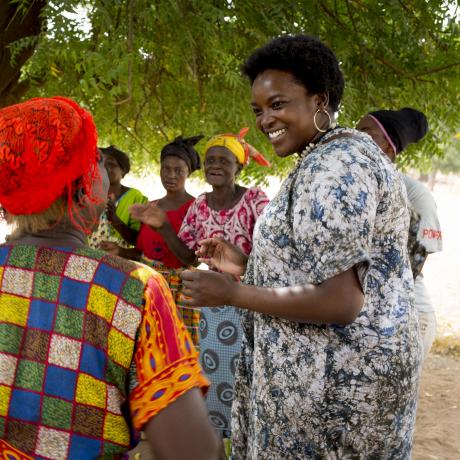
(315, 67)
(330, 357)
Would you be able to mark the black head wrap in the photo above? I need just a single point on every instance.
(183, 148)
(404, 127)
(121, 157)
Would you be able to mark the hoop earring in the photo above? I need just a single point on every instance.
(316, 125)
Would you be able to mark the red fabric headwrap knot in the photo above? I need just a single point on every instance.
(46, 144)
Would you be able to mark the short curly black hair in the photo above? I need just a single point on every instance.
(311, 62)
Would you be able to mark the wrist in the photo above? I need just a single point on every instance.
(236, 294)
(165, 227)
(116, 221)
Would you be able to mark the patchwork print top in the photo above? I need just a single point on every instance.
(90, 345)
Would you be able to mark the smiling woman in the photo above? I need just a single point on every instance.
(331, 349)
(229, 211)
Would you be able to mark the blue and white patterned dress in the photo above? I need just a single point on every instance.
(329, 392)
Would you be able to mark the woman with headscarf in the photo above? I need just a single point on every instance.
(393, 131)
(116, 225)
(91, 348)
(178, 160)
(330, 358)
(229, 211)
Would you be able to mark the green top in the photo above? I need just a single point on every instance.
(106, 232)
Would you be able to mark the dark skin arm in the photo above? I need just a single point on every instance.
(114, 249)
(182, 430)
(152, 215)
(127, 233)
(336, 301)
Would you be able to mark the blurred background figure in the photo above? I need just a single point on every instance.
(229, 211)
(393, 131)
(116, 224)
(178, 160)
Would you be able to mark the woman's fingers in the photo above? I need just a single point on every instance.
(207, 261)
(136, 210)
(189, 275)
(206, 248)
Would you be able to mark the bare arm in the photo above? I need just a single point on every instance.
(176, 245)
(127, 233)
(151, 214)
(336, 301)
(182, 430)
(116, 250)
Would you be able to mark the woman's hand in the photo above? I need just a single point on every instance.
(222, 255)
(110, 247)
(204, 288)
(150, 214)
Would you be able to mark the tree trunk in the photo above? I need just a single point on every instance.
(17, 21)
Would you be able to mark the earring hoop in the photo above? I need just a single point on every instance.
(316, 124)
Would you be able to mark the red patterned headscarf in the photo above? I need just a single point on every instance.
(48, 149)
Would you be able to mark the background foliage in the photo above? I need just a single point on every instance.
(152, 69)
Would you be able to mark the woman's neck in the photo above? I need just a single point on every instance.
(117, 189)
(225, 197)
(60, 235)
(174, 200)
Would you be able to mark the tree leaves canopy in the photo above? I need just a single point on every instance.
(151, 70)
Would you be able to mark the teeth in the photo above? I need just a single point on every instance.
(275, 134)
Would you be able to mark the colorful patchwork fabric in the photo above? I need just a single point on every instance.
(90, 345)
(190, 316)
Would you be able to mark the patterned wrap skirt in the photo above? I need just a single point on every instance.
(220, 343)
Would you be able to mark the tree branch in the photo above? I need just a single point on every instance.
(130, 52)
(437, 69)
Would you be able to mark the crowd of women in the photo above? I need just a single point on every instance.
(303, 335)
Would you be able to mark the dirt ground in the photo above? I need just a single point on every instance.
(437, 432)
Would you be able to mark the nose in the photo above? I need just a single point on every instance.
(265, 120)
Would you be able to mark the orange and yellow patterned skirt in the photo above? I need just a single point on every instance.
(8, 452)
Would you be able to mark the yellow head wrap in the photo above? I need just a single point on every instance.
(238, 146)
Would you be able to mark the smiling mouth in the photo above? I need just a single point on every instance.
(275, 134)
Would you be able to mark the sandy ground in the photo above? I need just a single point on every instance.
(437, 433)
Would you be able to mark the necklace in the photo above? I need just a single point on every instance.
(307, 149)
(312, 145)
